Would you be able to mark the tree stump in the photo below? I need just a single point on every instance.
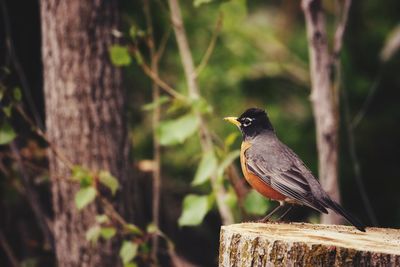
(302, 244)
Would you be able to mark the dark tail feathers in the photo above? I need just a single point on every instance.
(338, 209)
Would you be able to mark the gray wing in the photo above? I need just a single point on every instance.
(281, 168)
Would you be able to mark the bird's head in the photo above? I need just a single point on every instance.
(252, 122)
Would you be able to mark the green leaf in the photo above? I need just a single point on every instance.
(102, 218)
(107, 232)
(82, 175)
(254, 203)
(84, 197)
(108, 180)
(7, 110)
(138, 57)
(120, 55)
(198, 3)
(207, 166)
(17, 94)
(133, 229)
(231, 138)
(194, 209)
(7, 134)
(151, 228)
(153, 105)
(128, 251)
(176, 131)
(231, 199)
(235, 12)
(231, 157)
(130, 264)
(201, 105)
(93, 233)
(133, 32)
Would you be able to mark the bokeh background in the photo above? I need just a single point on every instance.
(260, 59)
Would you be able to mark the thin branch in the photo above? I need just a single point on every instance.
(110, 210)
(371, 93)
(8, 251)
(156, 189)
(33, 199)
(356, 163)
(163, 44)
(211, 46)
(184, 50)
(205, 136)
(340, 28)
(163, 85)
(39, 132)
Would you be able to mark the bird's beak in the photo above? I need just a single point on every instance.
(233, 120)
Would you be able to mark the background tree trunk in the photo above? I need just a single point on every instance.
(324, 101)
(259, 244)
(84, 118)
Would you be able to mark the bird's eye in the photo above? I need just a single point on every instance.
(246, 122)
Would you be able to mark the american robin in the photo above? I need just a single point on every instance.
(276, 172)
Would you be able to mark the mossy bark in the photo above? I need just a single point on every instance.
(273, 244)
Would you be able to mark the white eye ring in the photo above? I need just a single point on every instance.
(246, 122)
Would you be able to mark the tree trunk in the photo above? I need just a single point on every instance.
(324, 102)
(84, 119)
(299, 244)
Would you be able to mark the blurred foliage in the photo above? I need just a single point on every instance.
(260, 59)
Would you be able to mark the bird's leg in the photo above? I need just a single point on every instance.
(269, 215)
(288, 208)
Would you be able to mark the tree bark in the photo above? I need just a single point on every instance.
(299, 244)
(324, 102)
(84, 119)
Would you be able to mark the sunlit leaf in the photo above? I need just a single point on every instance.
(133, 229)
(131, 264)
(176, 131)
(7, 134)
(84, 197)
(207, 166)
(82, 175)
(153, 105)
(256, 204)
(102, 218)
(195, 207)
(93, 234)
(120, 55)
(151, 228)
(108, 180)
(198, 3)
(128, 251)
(107, 232)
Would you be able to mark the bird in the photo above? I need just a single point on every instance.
(276, 172)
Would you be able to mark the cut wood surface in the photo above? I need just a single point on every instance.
(302, 244)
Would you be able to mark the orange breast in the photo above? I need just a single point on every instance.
(256, 182)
